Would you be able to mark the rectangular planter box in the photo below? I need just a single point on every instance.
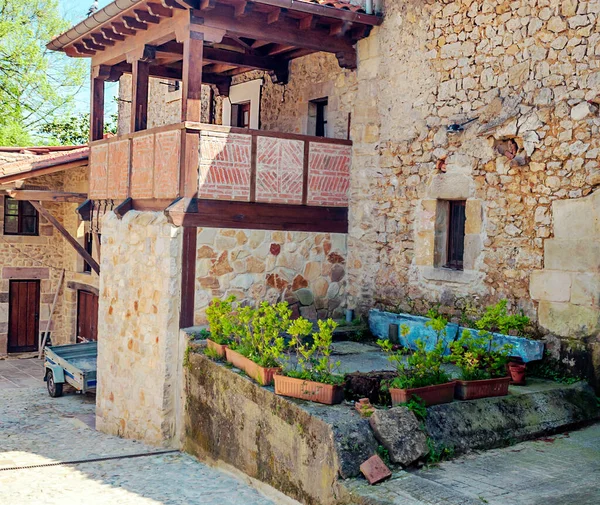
(471, 390)
(308, 390)
(262, 375)
(379, 322)
(219, 348)
(524, 348)
(431, 395)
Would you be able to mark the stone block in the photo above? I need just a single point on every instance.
(474, 215)
(550, 285)
(576, 219)
(305, 296)
(497, 422)
(374, 470)
(569, 320)
(585, 289)
(398, 430)
(572, 255)
(451, 187)
(424, 248)
(473, 248)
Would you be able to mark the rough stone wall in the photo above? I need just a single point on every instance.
(306, 269)
(138, 330)
(42, 258)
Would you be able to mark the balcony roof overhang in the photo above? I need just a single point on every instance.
(241, 35)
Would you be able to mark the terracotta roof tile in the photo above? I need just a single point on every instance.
(32, 164)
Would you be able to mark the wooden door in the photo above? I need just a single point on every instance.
(87, 316)
(24, 316)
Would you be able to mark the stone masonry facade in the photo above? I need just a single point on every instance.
(43, 258)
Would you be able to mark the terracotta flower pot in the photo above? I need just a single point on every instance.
(219, 348)
(471, 390)
(431, 395)
(308, 390)
(262, 375)
(517, 373)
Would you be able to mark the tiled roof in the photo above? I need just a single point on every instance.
(32, 164)
(338, 4)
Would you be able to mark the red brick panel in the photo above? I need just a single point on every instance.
(329, 174)
(166, 170)
(99, 172)
(279, 166)
(225, 166)
(118, 169)
(142, 166)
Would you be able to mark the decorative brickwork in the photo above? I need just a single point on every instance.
(225, 166)
(329, 174)
(118, 168)
(99, 172)
(279, 170)
(142, 166)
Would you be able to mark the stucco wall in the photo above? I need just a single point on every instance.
(256, 265)
(138, 351)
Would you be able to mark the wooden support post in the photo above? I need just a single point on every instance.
(54, 302)
(97, 110)
(139, 100)
(188, 277)
(193, 51)
(70, 239)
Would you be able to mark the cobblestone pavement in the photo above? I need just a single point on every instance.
(38, 430)
(561, 470)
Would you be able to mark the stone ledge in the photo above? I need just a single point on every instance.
(449, 275)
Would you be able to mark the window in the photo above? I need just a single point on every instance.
(456, 234)
(450, 234)
(240, 115)
(20, 217)
(89, 248)
(317, 117)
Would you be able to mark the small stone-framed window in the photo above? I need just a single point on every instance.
(450, 234)
(20, 217)
(317, 117)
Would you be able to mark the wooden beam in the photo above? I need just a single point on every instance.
(206, 5)
(100, 39)
(133, 23)
(85, 210)
(273, 16)
(193, 56)
(81, 49)
(306, 22)
(160, 10)
(139, 100)
(260, 216)
(97, 109)
(121, 29)
(239, 9)
(145, 17)
(110, 34)
(46, 196)
(69, 238)
(173, 4)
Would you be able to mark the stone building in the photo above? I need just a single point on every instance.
(35, 258)
(429, 152)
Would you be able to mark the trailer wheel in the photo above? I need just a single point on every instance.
(54, 390)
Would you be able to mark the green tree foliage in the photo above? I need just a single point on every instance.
(74, 130)
(36, 85)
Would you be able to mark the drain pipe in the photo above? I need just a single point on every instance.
(369, 6)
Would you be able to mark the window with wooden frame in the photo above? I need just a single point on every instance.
(89, 248)
(456, 234)
(20, 217)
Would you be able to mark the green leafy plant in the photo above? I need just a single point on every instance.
(258, 333)
(422, 367)
(496, 318)
(384, 454)
(222, 320)
(478, 357)
(213, 354)
(437, 454)
(417, 406)
(551, 369)
(313, 361)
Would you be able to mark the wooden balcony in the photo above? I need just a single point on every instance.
(241, 178)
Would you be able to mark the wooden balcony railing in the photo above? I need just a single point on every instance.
(234, 164)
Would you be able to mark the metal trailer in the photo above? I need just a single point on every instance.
(72, 364)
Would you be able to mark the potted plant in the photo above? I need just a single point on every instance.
(257, 344)
(313, 376)
(517, 370)
(422, 375)
(220, 318)
(482, 363)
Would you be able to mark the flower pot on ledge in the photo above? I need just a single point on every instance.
(218, 348)
(262, 375)
(471, 390)
(327, 394)
(431, 395)
(517, 373)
